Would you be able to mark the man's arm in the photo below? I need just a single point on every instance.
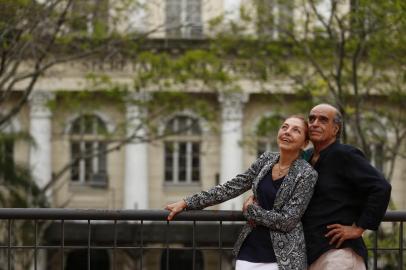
(371, 184)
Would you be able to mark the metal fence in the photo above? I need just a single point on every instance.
(137, 232)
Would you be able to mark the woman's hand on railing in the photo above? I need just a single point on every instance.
(175, 208)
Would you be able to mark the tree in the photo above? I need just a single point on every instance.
(37, 36)
(348, 53)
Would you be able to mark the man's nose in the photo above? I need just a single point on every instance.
(315, 122)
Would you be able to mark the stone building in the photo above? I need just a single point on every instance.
(149, 175)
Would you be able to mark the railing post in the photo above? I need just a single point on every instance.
(401, 246)
(35, 243)
(114, 244)
(62, 243)
(194, 246)
(167, 245)
(220, 245)
(375, 250)
(88, 244)
(142, 244)
(9, 246)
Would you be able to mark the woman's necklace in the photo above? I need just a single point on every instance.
(282, 170)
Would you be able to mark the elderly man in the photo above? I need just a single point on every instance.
(350, 197)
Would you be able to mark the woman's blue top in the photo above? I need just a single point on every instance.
(257, 247)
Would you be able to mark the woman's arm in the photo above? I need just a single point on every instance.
(289, 216)
(231, 189)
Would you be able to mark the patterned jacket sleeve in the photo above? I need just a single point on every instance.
(231, 189)
(286, 218)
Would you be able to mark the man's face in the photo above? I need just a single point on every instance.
(322, 129)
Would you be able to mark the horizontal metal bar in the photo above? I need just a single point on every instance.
(101, 214)
(153, 215)
(147, 248)
(121, 248)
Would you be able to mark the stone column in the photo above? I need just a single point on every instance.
(40, 130)
(136, 156)
(231, 161)
(41, 150)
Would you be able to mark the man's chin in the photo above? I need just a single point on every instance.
(315, 139)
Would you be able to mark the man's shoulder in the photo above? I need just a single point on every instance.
(341, 148)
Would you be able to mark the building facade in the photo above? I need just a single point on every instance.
(143, 174)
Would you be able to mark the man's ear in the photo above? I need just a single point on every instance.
(336, 129)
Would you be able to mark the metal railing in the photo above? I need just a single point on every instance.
(134, 233)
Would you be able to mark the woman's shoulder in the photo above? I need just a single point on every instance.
(305, 167)
(268, 155)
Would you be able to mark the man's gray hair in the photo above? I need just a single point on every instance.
(338, 120)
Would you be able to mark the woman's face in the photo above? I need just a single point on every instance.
(292, 135)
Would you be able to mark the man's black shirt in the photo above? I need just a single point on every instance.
(348, 191)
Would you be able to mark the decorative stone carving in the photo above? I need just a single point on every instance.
(232, 105)
(39, 104)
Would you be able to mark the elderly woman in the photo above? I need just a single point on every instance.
(282, 185)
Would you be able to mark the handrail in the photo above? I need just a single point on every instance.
(152, 214)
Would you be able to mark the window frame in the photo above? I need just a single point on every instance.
(191, 138)
(183, 18)
(96, 141)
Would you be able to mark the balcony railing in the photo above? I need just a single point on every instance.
(134, 233)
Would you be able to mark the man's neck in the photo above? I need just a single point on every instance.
(318, 147)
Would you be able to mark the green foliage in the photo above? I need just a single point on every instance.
(17, 187)
(268, 125)
(196, 69)
(352, 60)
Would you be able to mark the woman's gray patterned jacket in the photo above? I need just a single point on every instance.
(284, 220)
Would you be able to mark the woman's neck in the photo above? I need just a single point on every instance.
(286, 158)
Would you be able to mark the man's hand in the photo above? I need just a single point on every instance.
(175, 208)
(250, 200)
(339, 233)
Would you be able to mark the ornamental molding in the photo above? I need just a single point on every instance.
(134, 110)
(39, 104)
(232, 105)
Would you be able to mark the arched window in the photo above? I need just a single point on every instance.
(88, 146)
(182, 150)
(266, 132)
